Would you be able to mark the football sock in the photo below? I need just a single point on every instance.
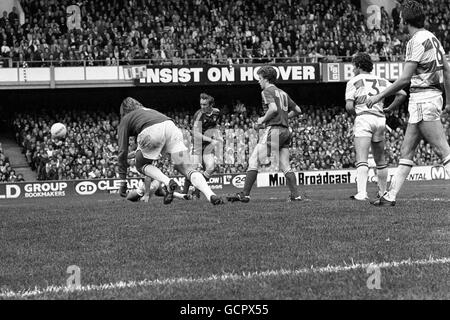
(382, 174)
(207, 175)
(291, 182)
(447, 164)
(403, 170)
(186, 186)
(179, 195)
(198, 181)
(154, 186)
(155, 173)
(362, 172)
(250, 179)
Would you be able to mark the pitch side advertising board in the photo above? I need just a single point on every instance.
(420, 173)
(227, 74)
(58, 189)
(343, 72)
(224, 183)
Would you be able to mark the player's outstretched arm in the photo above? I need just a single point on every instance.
(400, 83)
(400, 98)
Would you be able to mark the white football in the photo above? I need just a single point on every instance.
(58, 130)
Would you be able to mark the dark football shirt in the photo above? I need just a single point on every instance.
(131, 125)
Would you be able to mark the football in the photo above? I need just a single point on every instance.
(58, 130)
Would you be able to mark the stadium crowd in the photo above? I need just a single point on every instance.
(7, 173)
(216, 31)
(322, 139)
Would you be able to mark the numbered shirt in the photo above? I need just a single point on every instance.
(284, 104)
(363, 86)
(428, 80)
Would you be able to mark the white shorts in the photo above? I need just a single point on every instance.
(429, 110)
(160, 138)
(370, 126)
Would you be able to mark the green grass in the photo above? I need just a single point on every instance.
(112, 240)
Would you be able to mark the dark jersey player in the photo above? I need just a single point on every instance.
(156, 134)
(277, 138)
(206, 138)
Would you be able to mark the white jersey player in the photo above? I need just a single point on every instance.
(429, 74)
(147, 188)
(370, 122)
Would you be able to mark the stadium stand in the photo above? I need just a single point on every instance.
(7, 172)
(204, 31)
(190, 32)
(322, 139)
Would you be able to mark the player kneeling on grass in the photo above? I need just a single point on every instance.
(370, 123)
(147, 188)
(156, 134)
(280, 107)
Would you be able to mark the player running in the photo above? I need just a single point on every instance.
(370, 123)
(280, 107)
(206, 138)
(429, 73)
(156, 134)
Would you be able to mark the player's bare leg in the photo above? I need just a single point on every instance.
(291, 181)
(408, 149)
(170, 184)
(434, 133)
(148, 168)
(197, 179)
(382, 167)
(362, 145)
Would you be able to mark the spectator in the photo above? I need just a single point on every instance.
(270, 33)
(322, 139)
(396, 15)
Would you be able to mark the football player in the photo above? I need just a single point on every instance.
(280, 107)
(205, 138)
(428, 71)
(370, 123)
(156, 134)
(147, 188)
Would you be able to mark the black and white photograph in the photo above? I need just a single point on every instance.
(224, 154)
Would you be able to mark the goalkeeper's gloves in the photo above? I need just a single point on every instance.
(123, 189)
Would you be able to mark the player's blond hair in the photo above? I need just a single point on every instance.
(129, 105)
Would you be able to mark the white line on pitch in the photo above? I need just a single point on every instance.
(219, 278)
(429, 199)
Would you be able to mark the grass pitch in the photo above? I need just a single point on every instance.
(266, 249)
